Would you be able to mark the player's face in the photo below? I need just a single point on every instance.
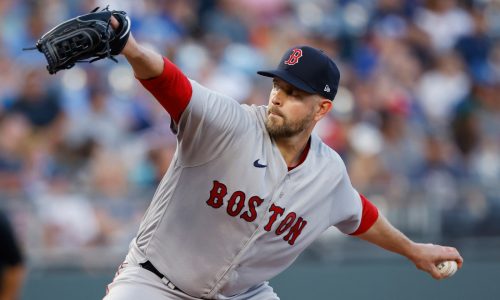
(290, 110)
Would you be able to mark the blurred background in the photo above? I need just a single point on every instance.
(416, 119)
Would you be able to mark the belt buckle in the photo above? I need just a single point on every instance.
(168, 283)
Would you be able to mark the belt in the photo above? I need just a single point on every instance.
(149, 266)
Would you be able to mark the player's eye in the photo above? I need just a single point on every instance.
(279, 87)
(297, 94)
(275, 84)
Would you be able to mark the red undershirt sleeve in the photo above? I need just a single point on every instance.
(171, 88)
(368, 217)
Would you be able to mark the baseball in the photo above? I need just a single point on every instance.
(447, 268)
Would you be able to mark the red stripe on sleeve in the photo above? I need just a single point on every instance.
(172, 89)
(368, 217)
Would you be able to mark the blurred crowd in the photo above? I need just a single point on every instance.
(416, 119)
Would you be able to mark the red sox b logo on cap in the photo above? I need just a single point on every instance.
(294, 57)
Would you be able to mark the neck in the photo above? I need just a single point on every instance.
(291, 148)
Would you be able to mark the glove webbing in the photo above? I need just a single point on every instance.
(108, 48)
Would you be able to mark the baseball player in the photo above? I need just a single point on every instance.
(12, 265)
(249, 187)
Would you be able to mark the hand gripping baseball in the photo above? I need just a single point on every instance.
(427, 257)
(86, 38)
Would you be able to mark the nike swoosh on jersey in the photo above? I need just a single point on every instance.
(258, 165)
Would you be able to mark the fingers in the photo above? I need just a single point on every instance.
(434, 271)
(114, 23)
(429, 256)
(453, 254)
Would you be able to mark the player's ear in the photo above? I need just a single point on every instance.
(324, 106)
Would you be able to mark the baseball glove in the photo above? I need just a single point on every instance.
(86, 38)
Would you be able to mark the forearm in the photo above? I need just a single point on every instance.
(424, 256)
(145, 62)
(384, 235)
(159, 76)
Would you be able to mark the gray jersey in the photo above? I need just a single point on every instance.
(228, 214)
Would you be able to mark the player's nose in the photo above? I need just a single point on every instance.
(277, 97)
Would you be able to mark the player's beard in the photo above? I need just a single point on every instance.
(286, 128)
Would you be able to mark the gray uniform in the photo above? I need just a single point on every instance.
(228, 215)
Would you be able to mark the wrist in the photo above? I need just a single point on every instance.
(132, 50)
(412, 251)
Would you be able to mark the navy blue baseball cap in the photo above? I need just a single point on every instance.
(308, 69)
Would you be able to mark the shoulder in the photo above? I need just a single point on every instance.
(216, 106)
(202, 92)
(213, 99)
(325, 158)
(257, 111)
(324, 151)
